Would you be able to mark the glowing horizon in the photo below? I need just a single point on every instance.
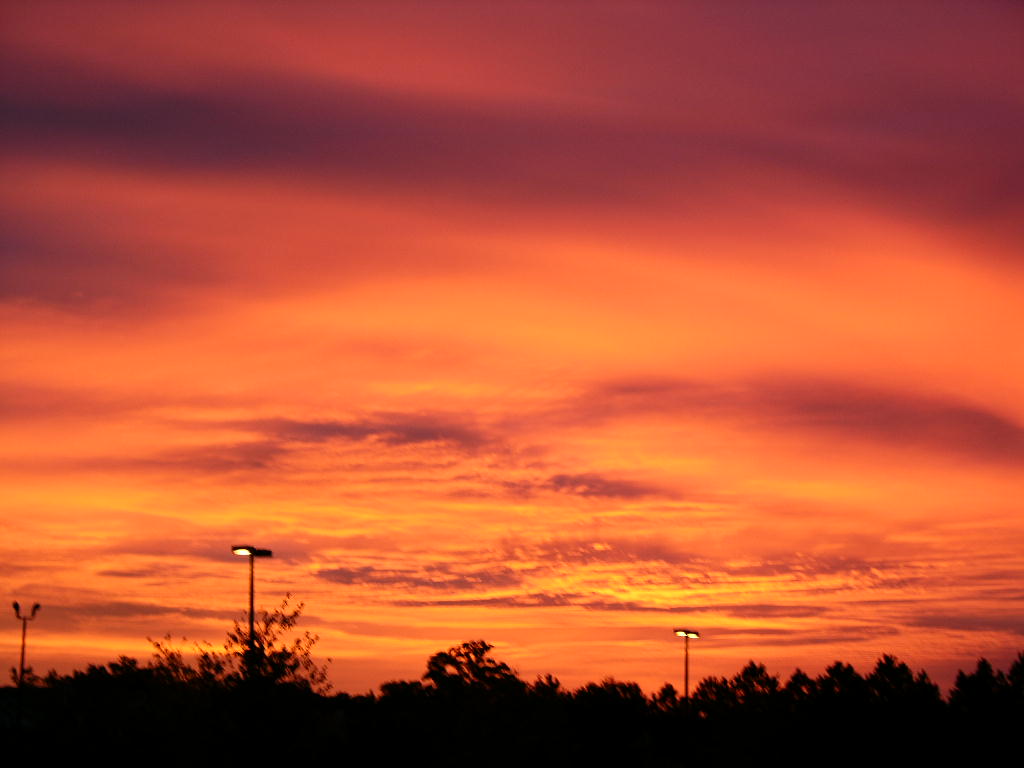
(555, 326)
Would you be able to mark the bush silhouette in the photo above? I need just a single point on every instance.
(265, 659)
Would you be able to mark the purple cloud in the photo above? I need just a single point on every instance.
(443, 578)
(856, 137)
(391, 428)
(902, 419)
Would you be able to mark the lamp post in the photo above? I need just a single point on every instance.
(687, 634)
(252, 553)
(24, 631)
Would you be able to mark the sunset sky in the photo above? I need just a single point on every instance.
(554, 324)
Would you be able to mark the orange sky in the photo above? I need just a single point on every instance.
(556, 325)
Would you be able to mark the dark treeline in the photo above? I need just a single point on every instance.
(271, 701)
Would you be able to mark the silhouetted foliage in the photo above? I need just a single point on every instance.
(471, 709)
(469, 667)
(206, 698)
(666, 699)
(547, 686)
(898, 691)
(842, 687)
(800, 690)
(265, 660)
(31, 678)
(712, 696)
(980, 692)
(754, 689)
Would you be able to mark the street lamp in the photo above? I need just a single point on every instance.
(252, 553)
(688, 634)
(24, 630)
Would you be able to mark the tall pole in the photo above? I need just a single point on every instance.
(21, 667)
(252, 601)
(686, 677)
(687, 635)
(24, 618)
(251, 552)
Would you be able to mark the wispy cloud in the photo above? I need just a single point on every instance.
(534, 600)
(970, 622)
(590, 603)
(443, 578)
(599, 550)
(390, 428)
(587, 485)
(282, 123)
(830, 408)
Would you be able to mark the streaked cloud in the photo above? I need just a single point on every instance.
(388, 428)
(433, 577)
(921, 421)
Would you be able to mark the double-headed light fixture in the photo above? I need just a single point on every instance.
(244, 550)
(24, 618)
(688, 635)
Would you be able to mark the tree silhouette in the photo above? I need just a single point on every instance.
(713, 695)
(979, 693)
(265, 659)
(800, 691)
(896, 689)
(622, 695)
(841, 686)
(30, 680)
(1015, 678)
(666, 699)
(547, 686)
(470, 666)
(470, 708)
(754, 689)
